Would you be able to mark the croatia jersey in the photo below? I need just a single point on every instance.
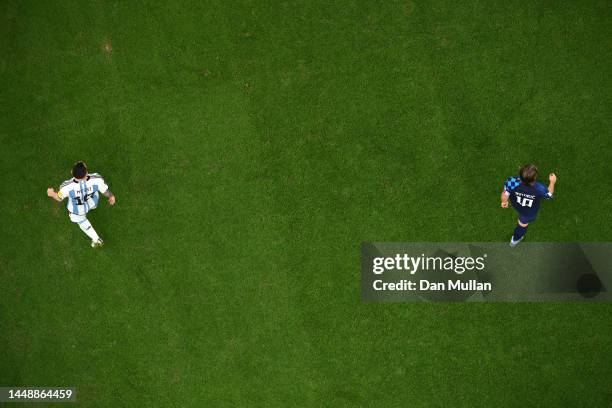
(83, 195)
(525, 198)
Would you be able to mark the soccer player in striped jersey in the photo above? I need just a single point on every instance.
(83, 193)
(525, 193)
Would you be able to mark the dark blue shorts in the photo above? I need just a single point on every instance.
(526, 219)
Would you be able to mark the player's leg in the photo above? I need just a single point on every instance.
(519, 232)
(87, 228)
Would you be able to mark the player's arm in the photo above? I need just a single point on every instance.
(504, 198)
(552, 180)
(52, 194)
(103, 188)
(110, 196)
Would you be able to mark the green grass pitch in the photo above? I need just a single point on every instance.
(252, 147)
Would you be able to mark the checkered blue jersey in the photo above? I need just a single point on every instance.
(525, 198)
(82, 195)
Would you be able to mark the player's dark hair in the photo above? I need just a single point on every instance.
(529, 174)
(79, 170)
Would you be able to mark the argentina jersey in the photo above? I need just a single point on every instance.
(526, 198)
(83, 195)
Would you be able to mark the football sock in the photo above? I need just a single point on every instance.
(89, 230)
(519, 232)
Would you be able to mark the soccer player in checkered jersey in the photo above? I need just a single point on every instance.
(83, 193)
(525, 193)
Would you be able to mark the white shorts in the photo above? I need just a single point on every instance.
(77, 218)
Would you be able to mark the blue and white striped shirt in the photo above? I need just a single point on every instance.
(83, 195)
